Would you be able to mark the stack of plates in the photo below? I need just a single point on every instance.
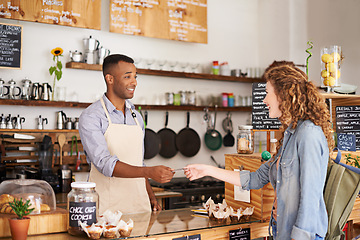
(346, 89)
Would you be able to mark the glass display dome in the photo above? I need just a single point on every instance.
(39, 192)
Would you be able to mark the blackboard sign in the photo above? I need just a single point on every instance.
(239, 234)
(260, 113)
(346, 142)
(10, 45)
(348, 121)
(191, 237)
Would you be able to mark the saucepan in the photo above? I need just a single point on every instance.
(168, 143)
(151, 142)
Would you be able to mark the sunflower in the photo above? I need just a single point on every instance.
(57, 51)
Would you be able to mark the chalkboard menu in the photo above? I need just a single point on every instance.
(10, 45)
(260, 113)
(348, 121)
(169, 19)
(75, 13)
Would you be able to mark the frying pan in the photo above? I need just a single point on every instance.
(213, 139)
(187, 140)
(152, 142)
(167, 138)
(229, 139)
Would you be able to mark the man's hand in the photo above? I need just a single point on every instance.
(155, 206)
(160, 174)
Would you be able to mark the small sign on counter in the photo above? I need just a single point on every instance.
(346, 142)
(192, 237)
(239, 234)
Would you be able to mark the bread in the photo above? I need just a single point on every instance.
(5, 198)
(44, 208)
(6, 208)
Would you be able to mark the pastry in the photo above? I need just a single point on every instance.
(6, 208)
(5, 198)
(110, 231)
(44, 208)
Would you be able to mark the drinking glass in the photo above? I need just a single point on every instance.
(137, 62)
(161, 64)
(194, 67)
(183, 66)
(172, 65)
(149, 62)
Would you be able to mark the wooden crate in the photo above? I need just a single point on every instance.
(52, 222)
(261, 199)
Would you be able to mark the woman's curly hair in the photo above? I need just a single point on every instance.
(299, 99)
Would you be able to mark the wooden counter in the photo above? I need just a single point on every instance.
(175, 223)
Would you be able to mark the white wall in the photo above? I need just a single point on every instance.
(232, 37)
(246, 33)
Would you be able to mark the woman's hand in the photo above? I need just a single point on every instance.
(196, 171)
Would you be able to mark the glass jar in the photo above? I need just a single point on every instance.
(83, 205)
(273, 143)
(245, 139)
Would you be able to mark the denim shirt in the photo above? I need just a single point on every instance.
(93, 124)
(299, 182)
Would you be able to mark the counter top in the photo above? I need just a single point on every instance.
(176, 223)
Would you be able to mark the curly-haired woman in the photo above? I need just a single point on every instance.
(297, 170)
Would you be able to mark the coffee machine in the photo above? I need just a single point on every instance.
(45, 163)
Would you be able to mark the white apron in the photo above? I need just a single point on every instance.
(129, 195)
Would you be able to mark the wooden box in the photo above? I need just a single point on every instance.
(261, 199)
(52, 222)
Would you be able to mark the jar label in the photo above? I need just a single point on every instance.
(83, 211)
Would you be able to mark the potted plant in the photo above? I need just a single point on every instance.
(19, 226)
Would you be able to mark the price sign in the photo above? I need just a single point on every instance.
(346, 142)
(239, 234)
(10, 45)
(192, 237)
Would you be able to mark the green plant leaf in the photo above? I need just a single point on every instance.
(51, 70)
(54, 58)
(59, 65)
(21, 208)
(58, 75)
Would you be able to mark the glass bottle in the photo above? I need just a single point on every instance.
(83, 205)
(245, 139)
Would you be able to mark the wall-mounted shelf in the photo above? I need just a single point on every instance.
(143, 107)
(97, 67)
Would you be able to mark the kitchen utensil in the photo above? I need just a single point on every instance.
(168, 143)
(187, 140)
(20, 148)
(26, 91)
(68, 123)
(90, 57)
(45, 94)
(217, 164)
(2, 89)
(60, 119)
(9, 122)
(152, 141)
(213, 139)
(2, 122)
(35, 91)
(76, 123)
(74, 142)
(18, 121)
(102, 54)
(12, 87)
(17, 136)
(91, 44)
(76, 56)
(41, 121)
(229, 139)
(61, 141)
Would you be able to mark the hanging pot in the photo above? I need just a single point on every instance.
(168, 147)
(187, 140)
(213, 139)
(229, 139)
(152, 142)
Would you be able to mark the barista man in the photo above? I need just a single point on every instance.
(112, 133)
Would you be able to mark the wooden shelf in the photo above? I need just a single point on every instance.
(97, 67)
(143, 107)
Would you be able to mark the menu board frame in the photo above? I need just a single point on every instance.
(182, 21)
(10, 44)
(348, 121)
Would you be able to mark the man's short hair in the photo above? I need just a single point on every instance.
(112, 60)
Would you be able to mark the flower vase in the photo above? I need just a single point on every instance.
(19, 228)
